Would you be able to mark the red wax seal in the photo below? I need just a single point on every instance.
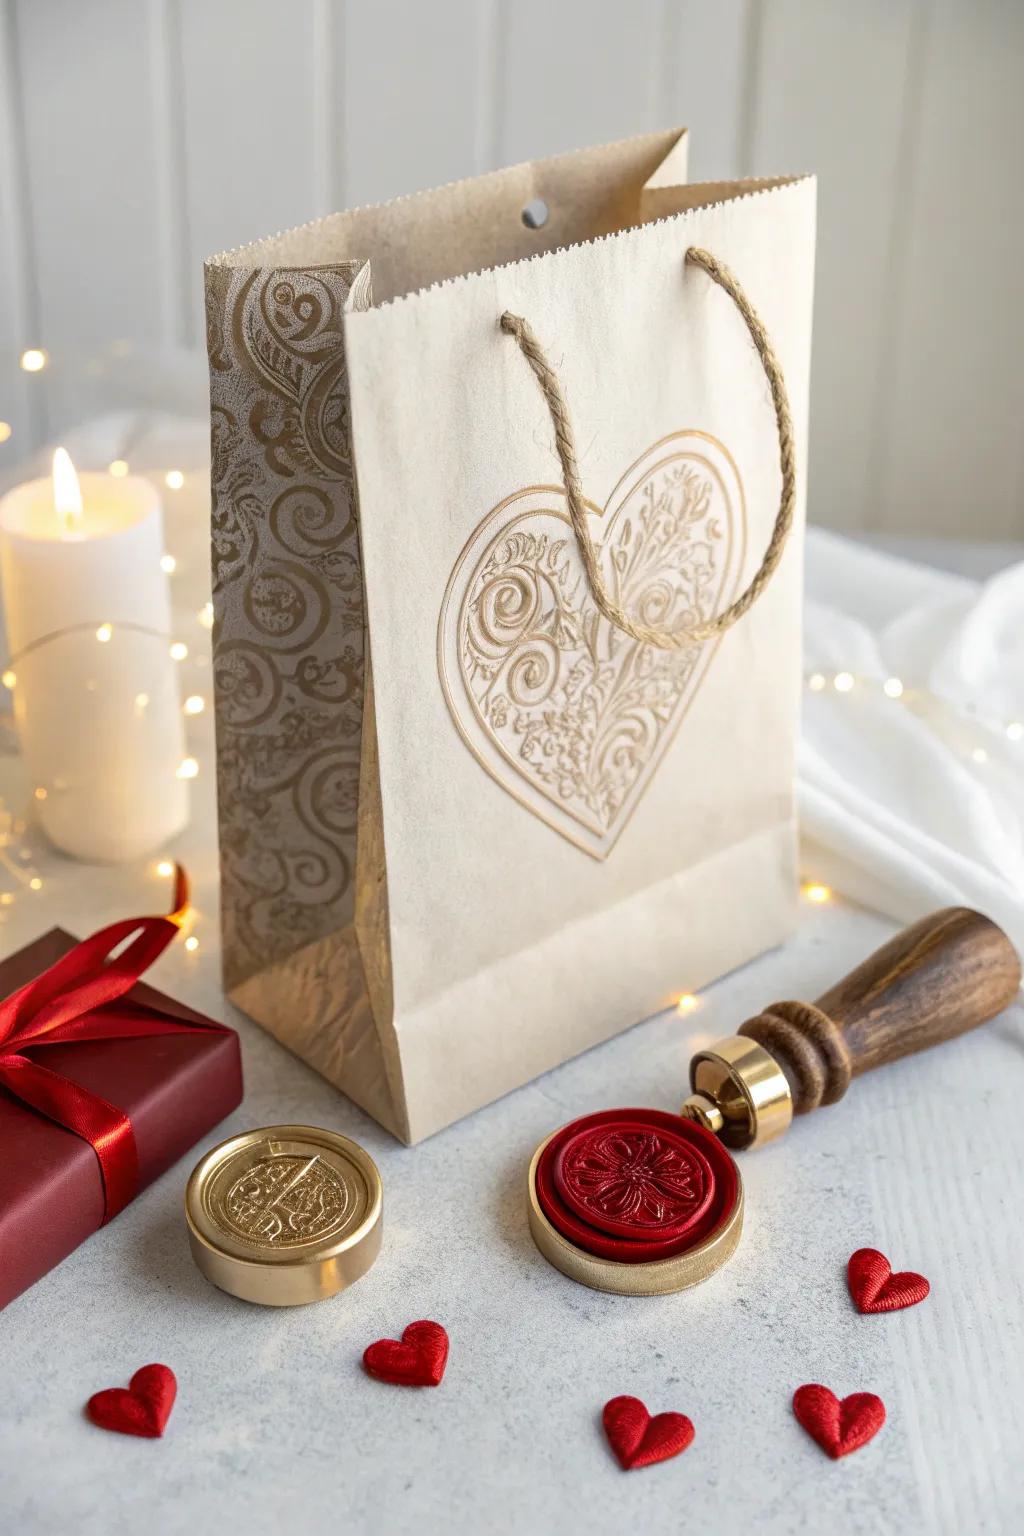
(635, 1185)
(636, 1181)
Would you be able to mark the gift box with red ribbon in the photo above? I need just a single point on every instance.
(104, 1083)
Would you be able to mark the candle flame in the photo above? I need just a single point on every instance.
(67, 493)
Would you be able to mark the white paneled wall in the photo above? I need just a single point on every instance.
(138, 136)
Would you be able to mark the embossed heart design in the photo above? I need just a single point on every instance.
(570, 715)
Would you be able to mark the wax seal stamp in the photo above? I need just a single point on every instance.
(285, 1215)
(642, 1202)
(635, 1201)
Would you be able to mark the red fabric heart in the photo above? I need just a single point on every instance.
(640, 1441)
(875, 1288)
(417, 1360)
(839, 1427)
(141, 1408)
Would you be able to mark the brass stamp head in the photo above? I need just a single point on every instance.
(285, 1215)
(740, 1092)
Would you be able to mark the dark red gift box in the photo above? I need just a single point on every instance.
(162, 1090)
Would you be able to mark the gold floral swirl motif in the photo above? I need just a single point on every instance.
(293, 738)
(284, 1201)
(283, 888)
(276, 427)
(217, 346)
(288, 632)
(326, 421)
(236, 485)
(505, 609)
(286, 606)
(304, 519)
(338, 678)
(300, 313)
(531, 675)
(566, 711)
(620, 750)
(287, 825)
(223, 442)
(340, 568)
(248, 687)
(287, 337)
(325, 794)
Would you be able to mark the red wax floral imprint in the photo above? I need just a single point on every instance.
(839, 1426)
(418, 1359)
(639, 1440)
(634, 1180)
(875, 1288)
(141, 1408)
(633, 1156)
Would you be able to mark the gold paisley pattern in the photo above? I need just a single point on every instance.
(566, 711)
(288, 607)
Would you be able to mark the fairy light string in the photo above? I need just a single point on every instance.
(918, 700)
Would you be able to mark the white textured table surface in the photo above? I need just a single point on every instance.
(276, 1425)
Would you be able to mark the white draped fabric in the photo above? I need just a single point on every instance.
(914, 802)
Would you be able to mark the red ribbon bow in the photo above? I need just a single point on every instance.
(77, 999)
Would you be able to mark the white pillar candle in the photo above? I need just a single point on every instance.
(88, 616)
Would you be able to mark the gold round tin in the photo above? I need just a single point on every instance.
(658, 1277)
(285, 1215)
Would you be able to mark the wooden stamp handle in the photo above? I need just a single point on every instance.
(943, 976)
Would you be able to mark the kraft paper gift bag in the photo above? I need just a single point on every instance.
(564, 792)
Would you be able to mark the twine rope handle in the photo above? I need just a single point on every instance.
(670, 640)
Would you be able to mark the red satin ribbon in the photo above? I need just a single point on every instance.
(77, 999)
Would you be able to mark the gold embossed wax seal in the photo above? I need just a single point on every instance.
(285, 1215)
